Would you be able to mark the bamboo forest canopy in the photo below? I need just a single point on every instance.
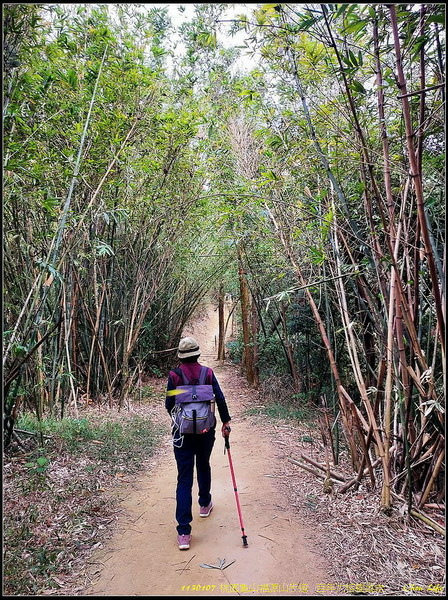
(290, 155)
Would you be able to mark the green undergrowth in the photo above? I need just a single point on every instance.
(303, 418)
(111, 442)
(58, 503)
(279, 411)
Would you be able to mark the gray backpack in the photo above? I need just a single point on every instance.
(195, 406)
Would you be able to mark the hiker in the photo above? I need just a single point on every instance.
(187, 446)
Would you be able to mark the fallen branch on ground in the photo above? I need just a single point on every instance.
(428, 521)
(357, 479)
(322, 468)
(309, 469)
(24, 432)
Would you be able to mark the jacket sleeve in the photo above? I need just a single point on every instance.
(220, 401)
(170, 400)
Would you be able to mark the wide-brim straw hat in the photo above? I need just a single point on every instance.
(188, 346)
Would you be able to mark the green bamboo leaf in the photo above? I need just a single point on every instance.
(274, 141)
(353, 59)
(418, 45)
(341, 10)
(270, 175)
(103, 249)
(51, 205)
(356, 26)
(347, 60)
(358, 87)
(207, 39)
(306, 22)
(317, 255)
(436, 19)
(19, 350)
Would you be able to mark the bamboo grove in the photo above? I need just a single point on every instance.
(311, 187)
(96, 159)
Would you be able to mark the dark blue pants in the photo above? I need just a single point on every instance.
(199, 446)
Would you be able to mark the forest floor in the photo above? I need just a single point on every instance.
(301, 541)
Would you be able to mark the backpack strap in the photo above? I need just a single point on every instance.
(203, 375)
(184, 377)
(181, 375)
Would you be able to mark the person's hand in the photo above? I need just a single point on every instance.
(225, 429)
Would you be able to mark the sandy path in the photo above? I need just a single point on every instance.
(281, 558)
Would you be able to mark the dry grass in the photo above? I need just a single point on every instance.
(56, 517)
(366, 551)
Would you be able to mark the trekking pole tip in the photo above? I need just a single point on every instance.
(244, 541)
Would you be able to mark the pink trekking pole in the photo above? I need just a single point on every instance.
(227, 447)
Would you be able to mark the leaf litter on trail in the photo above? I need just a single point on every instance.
(221, 564)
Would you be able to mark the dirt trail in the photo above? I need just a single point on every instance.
(281, 558)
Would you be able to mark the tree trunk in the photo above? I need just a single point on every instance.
(221, 334)
(247, 359)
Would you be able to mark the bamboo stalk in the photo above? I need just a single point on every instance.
(342, 394)
(247, 362)
(67, 327)
(309, 469)
(100, 185)
(25, 432)
(15, 372)
(417, 179)
(221, 339)
(326, 413)
(19, 318)
(389, 368)
(74, 180)
(365, 447)
(358, 478)
(428, 522)
(94, 334)
(351, 342)
(434, 474)
(422, 91)
(337, 476)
